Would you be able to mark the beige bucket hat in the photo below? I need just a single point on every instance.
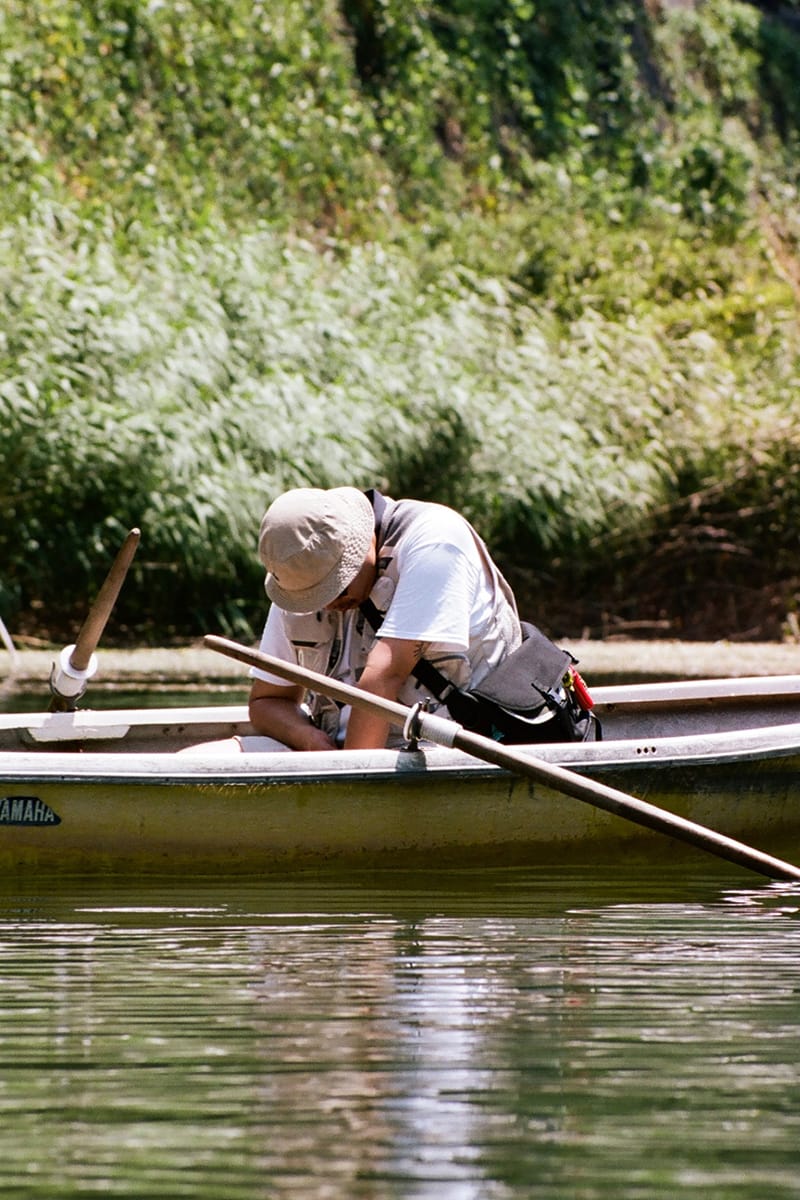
(313, 542)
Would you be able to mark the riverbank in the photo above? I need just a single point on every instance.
(608, 661)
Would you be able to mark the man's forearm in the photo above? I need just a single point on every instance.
(365, 730)
(286, 721)
(388, 666)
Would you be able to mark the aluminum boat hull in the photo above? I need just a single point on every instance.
(163, 790)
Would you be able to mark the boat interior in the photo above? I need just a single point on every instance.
(649, 710)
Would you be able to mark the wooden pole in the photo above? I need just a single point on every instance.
(521, 762)
(69, 677)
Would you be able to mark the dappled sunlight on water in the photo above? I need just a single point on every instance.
(508, 1034)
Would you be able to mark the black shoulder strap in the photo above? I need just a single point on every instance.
(378, 502)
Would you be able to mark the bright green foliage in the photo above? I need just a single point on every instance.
(493, 84)
(539, 260)
(344, 116)
(168, 109)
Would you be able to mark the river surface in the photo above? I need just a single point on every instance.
(504, 1034)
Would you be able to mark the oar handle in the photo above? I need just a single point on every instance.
(92, 628)
(570, 783)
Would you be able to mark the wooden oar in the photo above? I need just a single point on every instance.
(77, 663)
(448, 733)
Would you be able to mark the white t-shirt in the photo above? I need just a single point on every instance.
(443, 593)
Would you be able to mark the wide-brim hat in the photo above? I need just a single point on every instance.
(313, 542)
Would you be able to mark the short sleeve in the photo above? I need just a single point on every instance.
(274, 642)
(433, 599)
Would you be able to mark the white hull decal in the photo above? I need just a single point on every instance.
(26, 810)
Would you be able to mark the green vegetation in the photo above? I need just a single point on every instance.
(538, 259)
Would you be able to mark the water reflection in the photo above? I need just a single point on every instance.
(507, 1035)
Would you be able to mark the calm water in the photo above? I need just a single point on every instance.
(487, 1037)
(14, 700)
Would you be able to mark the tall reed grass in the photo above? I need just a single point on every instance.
(181, 392)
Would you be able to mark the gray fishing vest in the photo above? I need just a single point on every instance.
(337, 644)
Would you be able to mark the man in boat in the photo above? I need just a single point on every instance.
(364, 589)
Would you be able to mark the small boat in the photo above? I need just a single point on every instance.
(165, 789)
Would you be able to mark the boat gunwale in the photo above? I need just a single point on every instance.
(285, 768)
